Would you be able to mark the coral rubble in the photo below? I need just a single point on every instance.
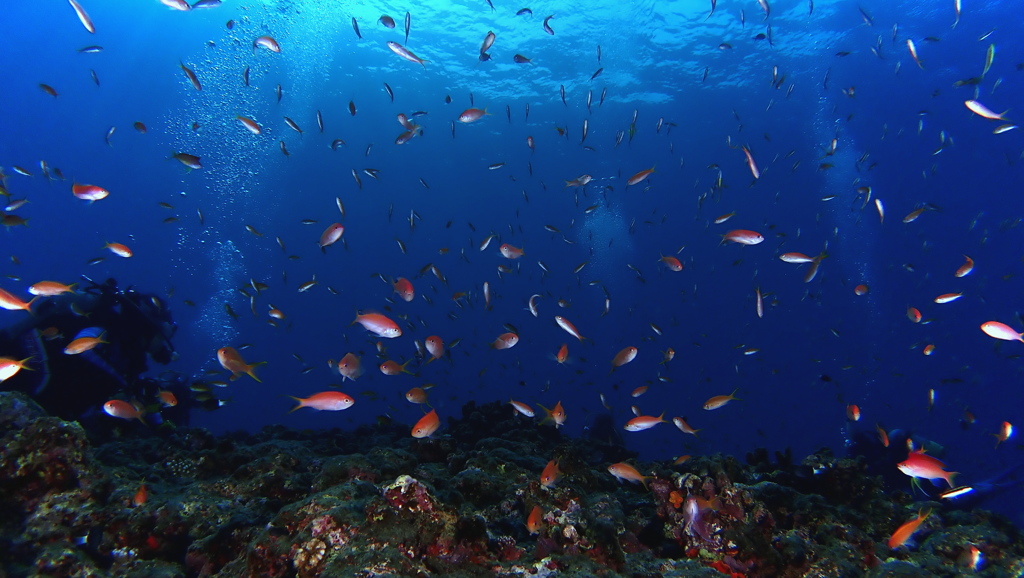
(376, 502)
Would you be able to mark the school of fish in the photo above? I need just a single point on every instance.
(488, 315)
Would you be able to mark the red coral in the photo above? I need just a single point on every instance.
(725, 569)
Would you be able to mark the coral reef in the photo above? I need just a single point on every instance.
(376, 502)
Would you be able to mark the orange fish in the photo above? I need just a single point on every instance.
(640, 177)
(882, 435)
(625, 472)
(642, 422)
(556, 415)
(10, 367)
(331, 235)
(510, 252)
(903, 533)
(920, 465)
(948, 297)
(391, 367)
(472, 115)
(505, 341)
(416, 395)
(672, 263)
(267, 42)
(89, 192)
(324, 401)
(795, 258)
(404, 289)
(350, 366)
(852, 412)
(720, 400)
(123, 410)
(551, 474)
(535, 520)
(683, 426)
(639, 391)
(965, 269)
(991, 328)
(12, 303)
(119, 249)
(139, 499)
(563, 354)
(521, 408)
(913, 215)
(167, 398)
(624, 356)
(913, 314)
(568, 327)
(83, 344)
(435, 347)
(378, 324)
(51, 288)
(427, 425)
(249, 124)
(861, 290)
(232, 361)
(750, 162)
(1005, 431)
(743, 237)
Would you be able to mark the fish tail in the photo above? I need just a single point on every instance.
(301, 404)
(547, 412)
(251, 370)
(949, 480)
(733, 394)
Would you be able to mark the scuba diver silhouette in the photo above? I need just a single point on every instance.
(973, 495)
(132, 328)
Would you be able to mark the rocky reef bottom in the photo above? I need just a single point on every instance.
(470, 502)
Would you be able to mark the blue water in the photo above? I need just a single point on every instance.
(820, 346)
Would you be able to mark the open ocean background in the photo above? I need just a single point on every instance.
(820, 346)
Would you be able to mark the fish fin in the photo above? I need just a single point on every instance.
(296, 399)
(252, 370)
(547, 412)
